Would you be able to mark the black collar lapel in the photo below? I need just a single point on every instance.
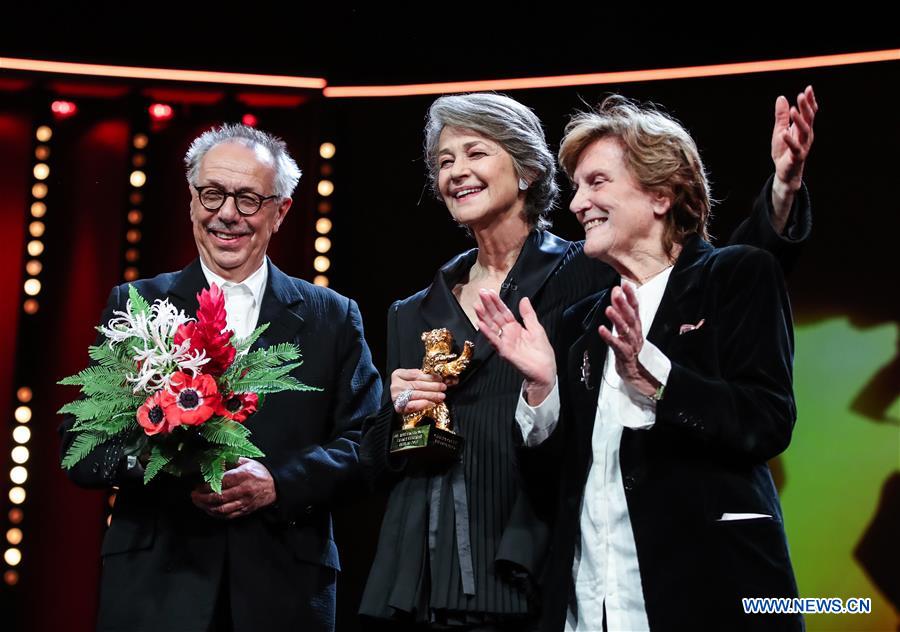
(540, 257)
(683, 281)
(586, 359)
(187, 285)
(281, 308)
(440, 307)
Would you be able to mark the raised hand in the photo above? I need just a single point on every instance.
(525, 346)
(628, 340)
(792, 138)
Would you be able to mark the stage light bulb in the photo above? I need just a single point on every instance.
(325, 188)
(18, 475)
(32, 287)
(17, 495)
(19, 454)
(326, 150)
(321, 264)
(323, 244)
(21, 434)
(12, 556)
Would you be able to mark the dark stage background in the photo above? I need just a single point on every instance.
(390, 236)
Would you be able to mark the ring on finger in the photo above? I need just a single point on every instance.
(402, 400)
(500, 332)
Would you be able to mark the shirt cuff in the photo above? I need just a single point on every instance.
(655, 362)
(537, 422)
(639, 411)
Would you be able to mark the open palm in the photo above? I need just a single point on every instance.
(525, 346)
(792, 136)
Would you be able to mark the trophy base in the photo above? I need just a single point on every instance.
(427, 444)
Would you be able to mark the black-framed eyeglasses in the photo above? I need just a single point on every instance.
(248, 203)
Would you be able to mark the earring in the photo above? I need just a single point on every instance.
(523, 184)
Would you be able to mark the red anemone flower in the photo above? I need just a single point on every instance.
(193, 399)
(238, 406)
(152, 415)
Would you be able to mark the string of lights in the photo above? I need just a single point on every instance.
(137, 178)
(325, 189)
(30, 304)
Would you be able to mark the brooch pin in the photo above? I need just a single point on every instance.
(586, 371)
(689, 327)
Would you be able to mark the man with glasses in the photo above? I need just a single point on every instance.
(260, 555)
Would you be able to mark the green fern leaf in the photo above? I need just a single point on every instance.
(242, 344)
(158, 460)
(138, 304)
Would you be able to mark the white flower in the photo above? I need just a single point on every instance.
(156, 357)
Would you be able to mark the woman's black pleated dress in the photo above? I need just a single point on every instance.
(465, 546)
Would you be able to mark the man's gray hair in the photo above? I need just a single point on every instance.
(287, 173)
(515, 128)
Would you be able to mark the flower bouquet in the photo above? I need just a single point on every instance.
(176, 389)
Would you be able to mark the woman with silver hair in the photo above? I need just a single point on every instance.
(464, 548)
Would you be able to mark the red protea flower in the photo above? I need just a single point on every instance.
(238, 406)
(192, 400)
(208, 332)
(152, 415)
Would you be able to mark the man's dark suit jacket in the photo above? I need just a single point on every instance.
(727, 409)
(164, 559)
